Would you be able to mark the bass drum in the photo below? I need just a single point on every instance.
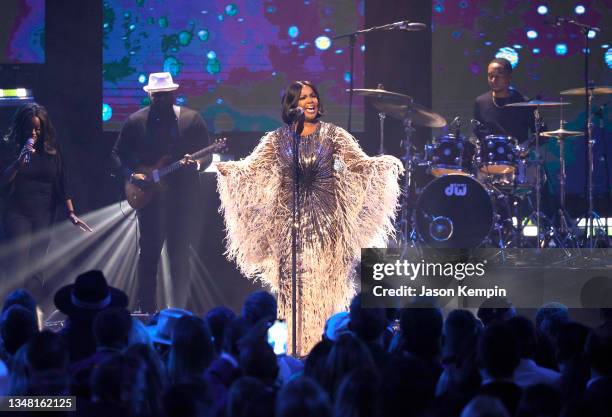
(454, 211)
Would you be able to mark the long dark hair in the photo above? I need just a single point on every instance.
(192, 349)
(291, 97)
(17, 134)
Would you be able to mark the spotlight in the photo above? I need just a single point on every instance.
(107, 112)
(561, 49)
(323, 43)
(293, 31)
(579, 9)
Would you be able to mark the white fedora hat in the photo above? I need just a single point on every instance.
(160, 81)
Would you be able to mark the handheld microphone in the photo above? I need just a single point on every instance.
(476, 123)
(28, 153)
(413, 26)
(296, 113)
(409, 26)
(560, 21)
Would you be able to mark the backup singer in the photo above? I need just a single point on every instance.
(347, 202)
(34, 183)
(157, 133)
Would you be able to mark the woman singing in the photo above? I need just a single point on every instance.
(33, 181)
(347, 201)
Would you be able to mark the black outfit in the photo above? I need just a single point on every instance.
(499, 120)
(172, 215)
(30, 202)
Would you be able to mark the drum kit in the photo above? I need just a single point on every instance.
(482, 190)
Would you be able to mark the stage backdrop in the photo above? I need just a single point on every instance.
(232, 59)
(547, 59)
(22, 32)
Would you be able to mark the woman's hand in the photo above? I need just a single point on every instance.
(80, 223)
(26, 152)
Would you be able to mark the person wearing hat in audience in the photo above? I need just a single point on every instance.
(162, 132)
(81, 301)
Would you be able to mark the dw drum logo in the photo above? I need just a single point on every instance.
(459, 190)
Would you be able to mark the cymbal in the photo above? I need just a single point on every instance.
(400, 106)
(537, 103)
(561, 133)
(596, 91)
(420, 115)
(380, 94)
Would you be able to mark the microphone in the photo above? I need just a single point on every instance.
(407, 25)
(27, 152)
(560, 21)
(476, 123)
(456, 121)
(296, 113)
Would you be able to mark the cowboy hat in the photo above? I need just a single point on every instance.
(160, 81)
(162, 332)
(89, 294)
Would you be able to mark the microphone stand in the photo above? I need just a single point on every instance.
(352, 36)
(295, 218)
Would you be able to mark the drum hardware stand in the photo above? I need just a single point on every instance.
(517, 230)
(498, 222)
(592, 216)
(501, 244)
(566, 227)
(407, 223)
(538, 213)
(381, 121)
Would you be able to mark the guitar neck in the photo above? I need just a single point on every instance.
(198, 155)
(204, 152)
(169, 169)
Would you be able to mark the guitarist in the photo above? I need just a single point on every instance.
(153, 137)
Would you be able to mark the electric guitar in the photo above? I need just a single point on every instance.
(138, 197)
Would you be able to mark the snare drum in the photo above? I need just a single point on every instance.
(497, 155)
(450, 155)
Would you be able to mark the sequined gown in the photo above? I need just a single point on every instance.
(347, 201)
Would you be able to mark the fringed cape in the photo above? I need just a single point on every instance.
(348, 201)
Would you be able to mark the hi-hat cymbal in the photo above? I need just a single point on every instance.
(537, 103)
(561, 133)
(596, 91)
(380, 94)
(419, 115)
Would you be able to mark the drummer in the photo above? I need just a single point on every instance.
(489, 107)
